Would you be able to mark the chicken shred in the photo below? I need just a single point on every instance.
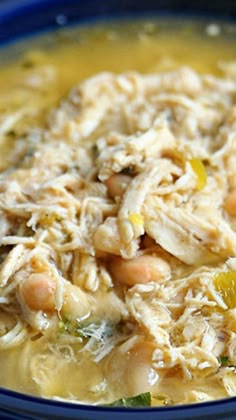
(59, 220)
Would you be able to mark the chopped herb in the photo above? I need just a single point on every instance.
(27, 64)
(95, 150)
(141, 400)
(62, 326)
(98, 338)
(86, 330)
(11, 133)
(66, 326)
(224, 360)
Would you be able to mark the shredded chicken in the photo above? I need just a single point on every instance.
(173, 135)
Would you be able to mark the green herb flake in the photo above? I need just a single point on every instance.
(141, 400)
(95, 150)
(64, 326)
(61, 325)
(11, 133)
(224, 360)
(27, 64)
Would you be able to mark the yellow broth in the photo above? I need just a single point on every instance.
(76, 54)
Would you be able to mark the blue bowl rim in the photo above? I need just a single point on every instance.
(13, 9)
(75, 406)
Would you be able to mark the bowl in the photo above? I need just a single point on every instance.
(21, 18)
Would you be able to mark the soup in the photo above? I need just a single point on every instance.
(118, 214)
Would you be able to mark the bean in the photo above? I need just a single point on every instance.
(38, 291)
(117, 184)
(142, 269)
(230, 203)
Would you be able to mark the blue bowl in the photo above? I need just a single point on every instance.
(20, 18)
